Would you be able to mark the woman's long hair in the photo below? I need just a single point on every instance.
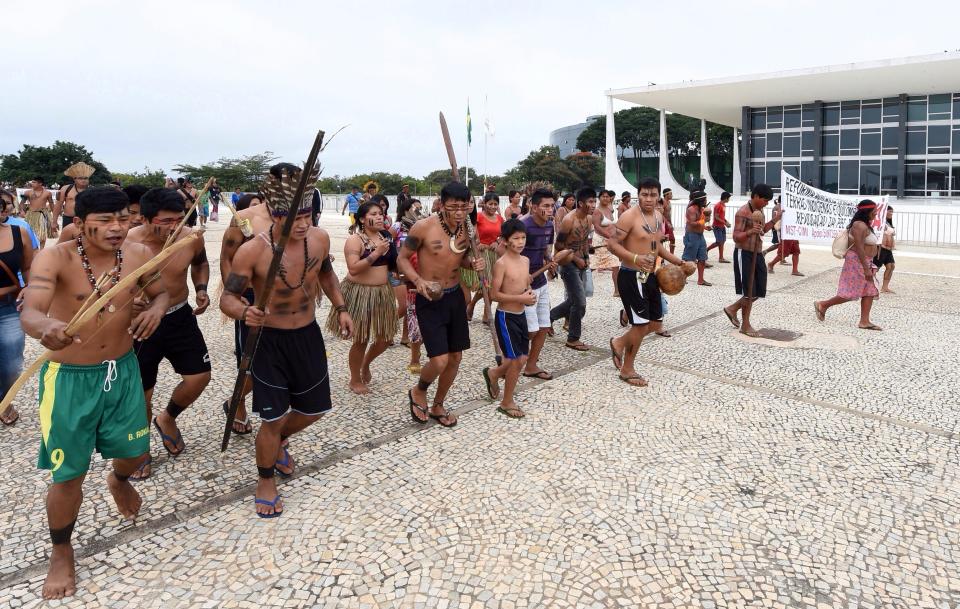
(890, 220)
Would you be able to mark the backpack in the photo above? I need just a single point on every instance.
(841, 243)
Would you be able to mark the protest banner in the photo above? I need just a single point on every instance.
(810, 214)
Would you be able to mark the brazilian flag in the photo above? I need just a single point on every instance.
(469, 125)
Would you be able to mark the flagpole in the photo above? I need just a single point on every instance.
(486, 133)
(466, 180)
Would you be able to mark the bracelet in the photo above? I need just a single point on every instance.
(201, 287)
(340, 308)
(635, 259)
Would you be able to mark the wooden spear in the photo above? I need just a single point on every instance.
(263, 296)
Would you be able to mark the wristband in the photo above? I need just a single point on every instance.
(201, 287)
(340, 309)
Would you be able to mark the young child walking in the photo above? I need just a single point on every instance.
(512, 291)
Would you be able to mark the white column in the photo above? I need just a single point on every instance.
(613, 176)
(712, 188)
(736, 165)
(666, 176)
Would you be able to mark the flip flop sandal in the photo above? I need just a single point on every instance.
(247, 427)
(633, 377)
(414, 405)
(577, 346)
(508, 411)
(623, 319)
(272, 504)
(446, 415)
(139, 471)
(871, 327)
(733, 319)
(664, 334)
(705, 284)
(486, 379)
(543, 375)
(615, 356)
(821, 314)
(751, 334)
(285, 463)
(164, 438)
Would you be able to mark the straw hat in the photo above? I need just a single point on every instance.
(79, 170)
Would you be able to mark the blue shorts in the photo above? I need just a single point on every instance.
(719, 234)
(694, 247)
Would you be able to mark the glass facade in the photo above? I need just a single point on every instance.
(860, 147)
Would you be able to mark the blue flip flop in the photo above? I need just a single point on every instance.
(165, 438)
(149, 461)
(272, 504)
(285, 462)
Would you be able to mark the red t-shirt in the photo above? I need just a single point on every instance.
(488, 231)
(719, 214)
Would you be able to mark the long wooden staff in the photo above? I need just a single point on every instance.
(87, 312)
(753, 261)
(484, 275)
(263, 296)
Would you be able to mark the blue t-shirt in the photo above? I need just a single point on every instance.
(353, 202)
(234, 198)
(538, 239)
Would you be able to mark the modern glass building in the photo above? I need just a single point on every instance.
(886, 127)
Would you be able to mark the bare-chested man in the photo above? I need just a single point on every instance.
(252, 219)
(67, 195)
(40, 206)
(638, 244)
(178, 339)
(291, 387)
(189, 193)
(91, 396)
(663, 206)
(748, 251)
(573, 233)
(441, 244)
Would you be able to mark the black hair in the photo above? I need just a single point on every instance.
(280, 169)
(650, 182)
(586, 193)
(365, 208)
(890, 220)
(182, 181)
(354, 187)
(245, 200)
(540, 194)
(512, 226)
(134, 192)
(382, 201)
(40, 179)
(512, 193)
(626, 193)
(457, 191)
(101, 200)
(566, 197)
(491, 196)
(762, 190)
(862, 215)
(724, 196)
(403, 207)
(156, 200)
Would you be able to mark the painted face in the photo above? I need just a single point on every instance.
(455, 212)
(544, 209)
(81, 183)
(758, 202)
(300, 226)
(491, 206)
(105, 230)
(517, 242)
(648, 199)
(165, 222)
(589, 205)
(135, 218)
(374, 219)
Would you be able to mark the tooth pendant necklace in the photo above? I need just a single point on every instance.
(114, 275)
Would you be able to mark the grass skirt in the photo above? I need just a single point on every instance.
(39, 221)
(373, 309)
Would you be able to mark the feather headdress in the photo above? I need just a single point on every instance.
(280, 185)
(79, 170)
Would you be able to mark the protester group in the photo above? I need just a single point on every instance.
(416, 274)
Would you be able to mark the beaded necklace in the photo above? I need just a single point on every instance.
(283, 272)
(114, 274)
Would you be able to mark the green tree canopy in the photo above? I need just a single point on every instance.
(49, 162)
(244, 173)
(147, 177)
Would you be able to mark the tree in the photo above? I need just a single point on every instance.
(148, 178)
(545, 164)
(49, 162)
(587, 167)
(244, 173)
(637, 128)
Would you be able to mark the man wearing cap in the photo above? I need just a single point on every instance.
(694, 244)
(67, 196)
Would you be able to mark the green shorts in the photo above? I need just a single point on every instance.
(83, 408)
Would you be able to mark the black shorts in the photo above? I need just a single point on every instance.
(289, 372)
(179, 340)
(741, 272)
(240, 329)
(641, 301)
(512, 334)
(776, 237)
(443, 323)
(66, 220)
(883, 258)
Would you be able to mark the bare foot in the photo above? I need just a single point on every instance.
(61, 576)
(511, 410)
(887, 291)
(749, 331)
(359, 388)
(127, 498)
(267, 499)
(797, 274)
(366, 376)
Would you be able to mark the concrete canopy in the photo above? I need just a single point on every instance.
(720, 100)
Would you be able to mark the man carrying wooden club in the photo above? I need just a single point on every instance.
(91, 396)
(441, 243)
(291, 388)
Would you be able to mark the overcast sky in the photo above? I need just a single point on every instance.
(160, 83)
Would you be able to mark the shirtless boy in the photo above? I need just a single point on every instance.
(441, 245)
(291, 387)
(40, 205)
(91, 396)
(638, 243)
(67, 195)
(511, 289)
(252, 219)
(178, 339)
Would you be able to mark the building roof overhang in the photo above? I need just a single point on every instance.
(720, 100)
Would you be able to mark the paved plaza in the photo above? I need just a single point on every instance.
(819, 472)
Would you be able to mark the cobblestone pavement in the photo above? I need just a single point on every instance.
(819, 473)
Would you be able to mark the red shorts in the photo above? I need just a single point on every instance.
(668, 231)
(789, 247)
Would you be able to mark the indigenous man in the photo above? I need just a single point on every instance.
(67, 195)
(539, 251)
(440, 243)
(253, 218)
(748, 257)
(133, 192)
(39, 206)
(189, 193)
(91, 396)
(694, 243)
(638, 244)
(291, 388)
(720, 225)
(625, 199)
(574, 234)
(665, 210)
(178, 338)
